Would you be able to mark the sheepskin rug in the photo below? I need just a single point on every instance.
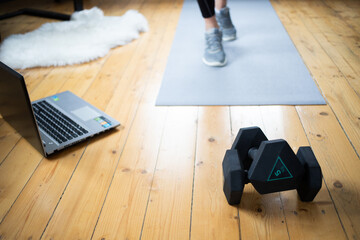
(87, 36)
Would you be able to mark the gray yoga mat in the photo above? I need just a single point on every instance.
(264, 67)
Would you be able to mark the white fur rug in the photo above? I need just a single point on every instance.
(87, 36)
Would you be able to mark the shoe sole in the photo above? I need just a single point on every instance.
(227, 39)
(215, 64)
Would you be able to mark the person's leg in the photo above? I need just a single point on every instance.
(214, 54)
(224, 20)
(210, 23)
(220, 4)
(207, 8)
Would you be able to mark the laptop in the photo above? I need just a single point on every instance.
(52, 123)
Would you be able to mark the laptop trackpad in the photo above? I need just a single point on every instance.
(86, 113)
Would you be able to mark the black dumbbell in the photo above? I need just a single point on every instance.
(270, 166)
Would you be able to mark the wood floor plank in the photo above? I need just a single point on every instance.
(33, 77)
(125, 206)
(261, 216)
(8, 136)
(339, 162)
(103, 156)
(326, 16)
(340, 55)
(172, 181)
(344, 103)
(22, 23)
(338, 32)
(85, 75)
(212, 217)
(9, 27)
(50, 188)
(22, 154)
(346, 13)
(305, 220)
(8, 139)
(64, 78)
(334, 42)
(339, 94)
(67, 81)
(354, 4)
(159, 175)
(123, 212)
(15, 172)
(108, 80)
(169, 207)
(52, 82)
(37, 201)
(25, 23)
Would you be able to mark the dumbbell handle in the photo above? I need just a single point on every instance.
(252, 152)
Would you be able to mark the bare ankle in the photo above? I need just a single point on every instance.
(211, 23)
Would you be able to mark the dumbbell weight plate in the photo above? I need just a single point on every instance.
(246, 139)
(312, 180)
(275, 168)
(234, 177)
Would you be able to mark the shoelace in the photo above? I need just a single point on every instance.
(213, 41)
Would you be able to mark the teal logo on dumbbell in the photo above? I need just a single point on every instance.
(279, 171)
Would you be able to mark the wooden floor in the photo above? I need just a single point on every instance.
(159, 175)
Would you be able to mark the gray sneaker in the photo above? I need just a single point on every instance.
(214, 53)
(226, 26)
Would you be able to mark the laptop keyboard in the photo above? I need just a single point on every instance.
(59, 126)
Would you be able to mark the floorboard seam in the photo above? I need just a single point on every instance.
(342, 225)
(194, 168)
(67, 184)
(21, 191)
(328, 103)
(10, 151)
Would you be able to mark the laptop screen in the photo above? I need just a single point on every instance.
(15, 106)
